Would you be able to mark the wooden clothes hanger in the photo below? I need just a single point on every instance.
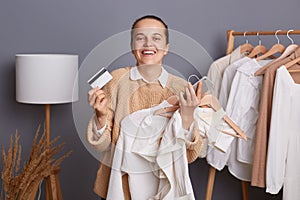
(207, 100)
(212, 102)
(168, 111)
(292, 63)
(173, 100)
(290, 49)
(259, 49)
(174, 103)
(246, 47)
(276, 48)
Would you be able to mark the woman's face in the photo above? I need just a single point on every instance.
(149, 44)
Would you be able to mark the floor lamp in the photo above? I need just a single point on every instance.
(47, 79)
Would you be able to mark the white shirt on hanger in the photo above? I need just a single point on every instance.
(242, 107)
(211, 124)
(227, 79)
(284, 138)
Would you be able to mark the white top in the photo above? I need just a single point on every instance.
(227, 79)
(284, 140)
(175, 183)
(211, 124)
(241, 107)
(150, 147)
(216, 143)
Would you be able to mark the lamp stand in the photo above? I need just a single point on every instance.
(53, 191)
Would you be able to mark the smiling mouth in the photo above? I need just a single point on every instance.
(148, 52)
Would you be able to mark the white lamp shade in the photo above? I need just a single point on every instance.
(46, 78)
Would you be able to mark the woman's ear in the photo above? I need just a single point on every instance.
(131, 47)
(166, 50)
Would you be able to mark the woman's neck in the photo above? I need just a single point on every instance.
(150, 72)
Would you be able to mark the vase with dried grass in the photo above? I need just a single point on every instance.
(22, 183)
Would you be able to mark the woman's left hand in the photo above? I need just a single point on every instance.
(188, 102)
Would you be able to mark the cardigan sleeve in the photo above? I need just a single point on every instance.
(194, 146)
(100, 142)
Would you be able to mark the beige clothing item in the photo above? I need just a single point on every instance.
(216, 69)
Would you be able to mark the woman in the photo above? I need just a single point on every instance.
(134, 88)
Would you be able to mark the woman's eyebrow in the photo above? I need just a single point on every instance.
(143, 34)
(138, 34)
(157, 34)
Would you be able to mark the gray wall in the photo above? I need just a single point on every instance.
(76, 27)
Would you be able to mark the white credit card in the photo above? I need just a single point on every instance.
(101, 78)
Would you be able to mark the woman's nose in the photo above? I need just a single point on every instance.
(148, 42)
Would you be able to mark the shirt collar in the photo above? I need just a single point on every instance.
(236, 54)
(162, 79)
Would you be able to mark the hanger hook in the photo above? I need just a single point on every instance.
(277, 36)
(246, 37)
(259, 40)
(287, 34)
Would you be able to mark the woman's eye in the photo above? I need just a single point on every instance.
(140, 38)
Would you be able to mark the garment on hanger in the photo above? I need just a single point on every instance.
(283, 150)
(216, 69)
(242, 107)
(142, 181)
(211, 124)
(227, 79)
(287, 52)
(263, 123)
(243, 103)
(174, 179)
(150, 147)
(230, 35)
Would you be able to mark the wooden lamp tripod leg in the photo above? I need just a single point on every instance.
(53, 191)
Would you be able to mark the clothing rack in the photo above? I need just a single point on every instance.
(231, 34)
(230, 47)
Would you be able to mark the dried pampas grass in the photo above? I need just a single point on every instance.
(21, 184)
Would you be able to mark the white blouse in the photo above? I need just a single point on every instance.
(241, 102)
(149, 149)
(284, 138)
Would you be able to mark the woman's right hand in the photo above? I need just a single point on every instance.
(97, 99)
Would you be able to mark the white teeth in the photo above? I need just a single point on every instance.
(148, 52)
